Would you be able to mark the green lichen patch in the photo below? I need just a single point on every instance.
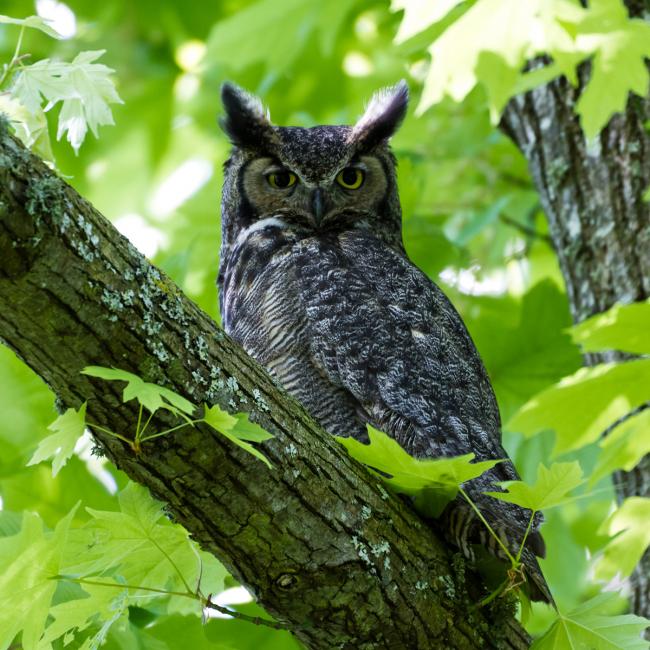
(45, 195)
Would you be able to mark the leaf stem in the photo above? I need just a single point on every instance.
(166, 431)
(14, 59)
(110, 433)
(178, 571)
(487, 525)
(19, 43)
(523, 541)
(137, 426)
(99, 583)
(492, 595)
(207, 603)
(146, 424)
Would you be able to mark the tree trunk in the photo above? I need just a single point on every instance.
(599, 223)
(318, 541)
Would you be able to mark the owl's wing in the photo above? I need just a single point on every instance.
(383, 331)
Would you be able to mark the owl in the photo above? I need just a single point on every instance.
(315, 284)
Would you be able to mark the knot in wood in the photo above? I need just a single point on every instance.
(287, 581)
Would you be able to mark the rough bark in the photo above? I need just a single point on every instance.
(318, 541)
(599, 223)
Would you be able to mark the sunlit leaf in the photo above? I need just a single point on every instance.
(84, 88)
(103, 603)
(588, 626)
(237, 429)
(151, 396)
(409, 475)
(500, 28)
(629, 523)
(490, 43)
(29, 126)
(68, 428)
(551, 488)
(581, 407)
(420, 14)
(623, 447)
(618, 67)
(623, 327)
(35, 489)
(138, 544)
(35, 22)
(28, 561)
(219, 419)
(245, 429)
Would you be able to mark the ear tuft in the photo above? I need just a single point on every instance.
(246, 123)
(382, 117)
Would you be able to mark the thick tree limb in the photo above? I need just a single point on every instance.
(320, 543)
(599, 222)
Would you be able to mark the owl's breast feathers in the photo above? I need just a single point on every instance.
(359, 334)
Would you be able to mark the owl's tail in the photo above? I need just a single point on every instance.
(465, 529)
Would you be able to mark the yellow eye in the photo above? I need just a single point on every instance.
(350, 178)
(281, 180)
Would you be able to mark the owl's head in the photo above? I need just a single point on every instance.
(325, 178)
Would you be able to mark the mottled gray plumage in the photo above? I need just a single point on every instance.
(316, 285)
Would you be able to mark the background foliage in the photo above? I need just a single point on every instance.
(472, 221)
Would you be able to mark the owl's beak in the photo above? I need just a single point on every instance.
(317, 204)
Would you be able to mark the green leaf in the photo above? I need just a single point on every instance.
(10, 522)
(83, 87)
(35, 22)
(582, 406)
(139, 545)
(237, 429)
(501, 28)
(420, 14)
(219, 419)
(244, 429)
(29, 126)
(551, 488)
(151, 396)
(630, 525)
(103, 603)
(618, 67)
(68, 428)
(219, 634)
(531, 355)
(414, 477)
(35, 489)
(255, 31)
(490, 43)
(587, 627)
(624, 446)
(28, 561)
(623, 327)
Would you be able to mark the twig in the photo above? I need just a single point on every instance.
(256, 620)
(623, 418)
(527, 230)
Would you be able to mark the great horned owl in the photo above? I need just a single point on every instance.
(316, 285)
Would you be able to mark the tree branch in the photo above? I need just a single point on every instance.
(322, 546)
